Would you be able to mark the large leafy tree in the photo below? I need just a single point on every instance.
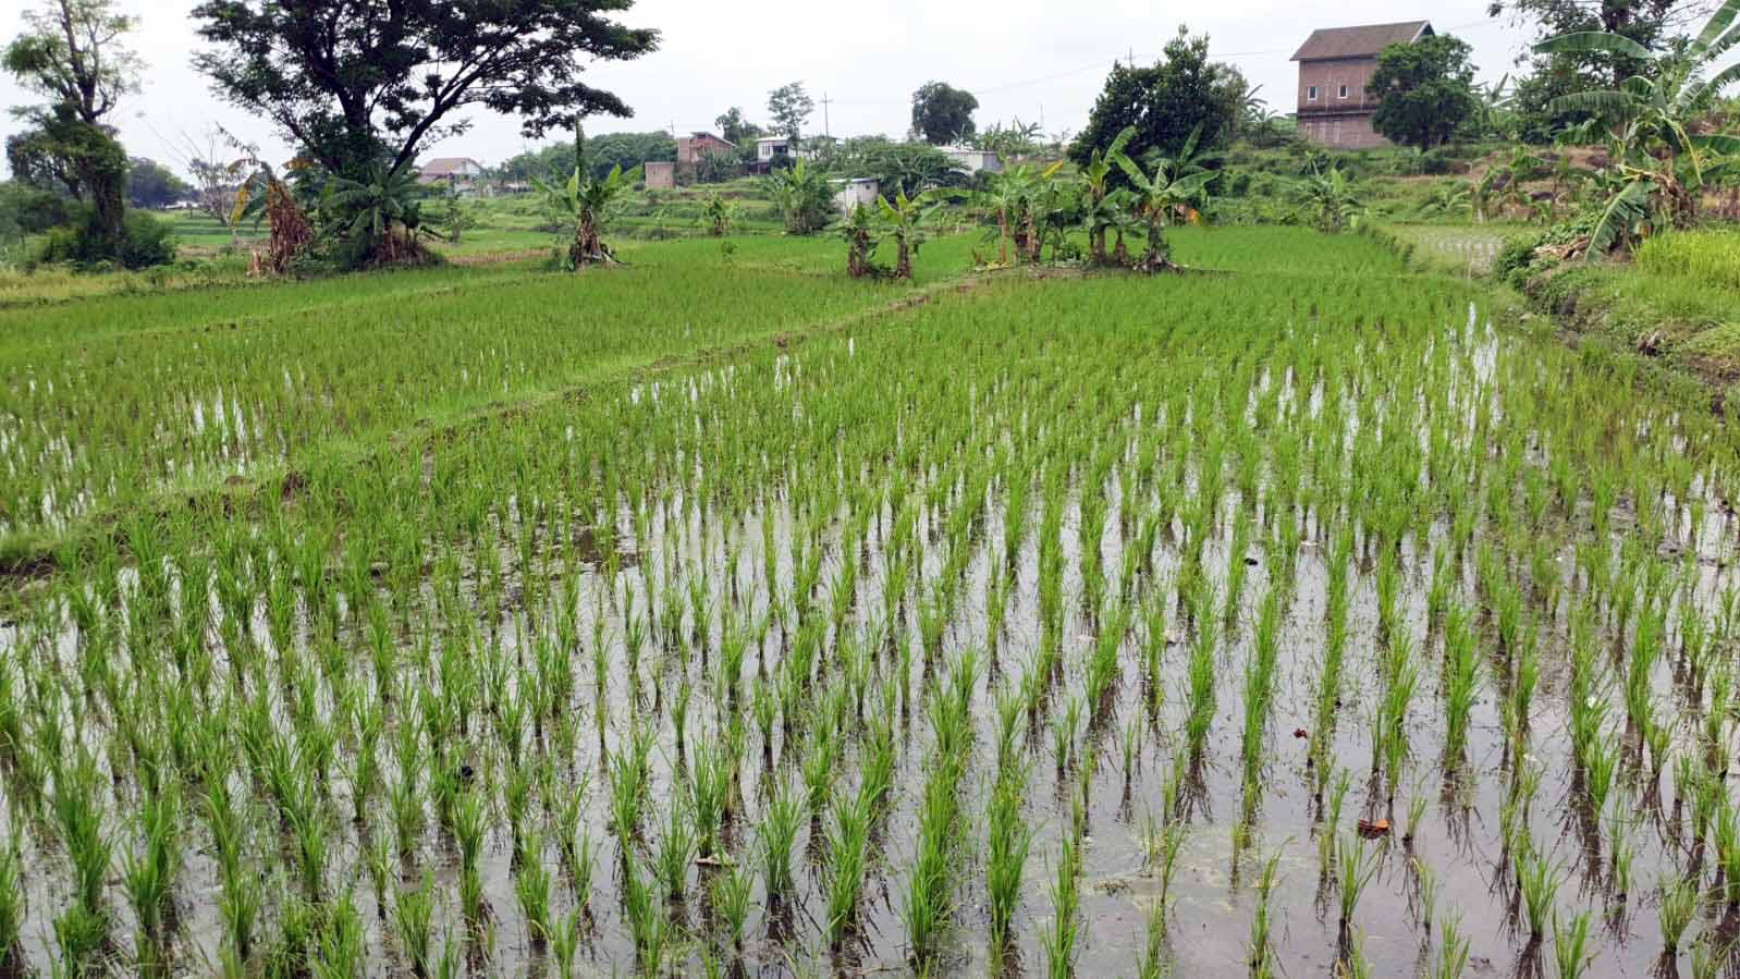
(942, 113)
(152, 185)
(1425, 91)
(911, 168)
(735, 128)
(1662, 160)
(1651, 23)
(72, 53)
(1165, 103)
(790, 107)
(358, 84)
(603, 153)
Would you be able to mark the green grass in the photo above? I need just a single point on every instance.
(1675, 301)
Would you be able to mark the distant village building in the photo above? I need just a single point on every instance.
(459, 174)
(1335, 70)
(691, 149)
(771, 150)
(974, 161)
(661, 175)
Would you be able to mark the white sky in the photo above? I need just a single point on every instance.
(1041, 60)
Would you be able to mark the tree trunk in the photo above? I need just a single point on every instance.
(903, 261)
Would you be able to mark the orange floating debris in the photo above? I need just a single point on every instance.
(1372, 830)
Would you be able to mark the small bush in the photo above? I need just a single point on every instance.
(1515, 258)
(145, 242)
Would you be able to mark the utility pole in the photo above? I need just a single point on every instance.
(827, 128)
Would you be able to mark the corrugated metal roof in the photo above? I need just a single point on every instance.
(1329, 43)
(443, 166)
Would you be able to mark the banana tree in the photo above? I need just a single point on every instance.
(1161, 194)
(720, 213)
(264, 195)
(905, 218)
(586, 201)
(1503, 184)
(380, 218)
(804, 198)
(859, 230)
(1331, 198)
(1100, 201)
(1016, 197)
(1651, 117)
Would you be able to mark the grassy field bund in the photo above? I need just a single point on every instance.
(720, 614)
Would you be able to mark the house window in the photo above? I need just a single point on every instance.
(1311, 94)
(1344, 91)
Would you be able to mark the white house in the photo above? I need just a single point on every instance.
(858, 190)
(771, 148)
(973, 161)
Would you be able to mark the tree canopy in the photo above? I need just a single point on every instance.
(1651, 23)
(735, 128)
(152, 186)
(942, 113)
(1166, 102)
(359, 83)
(1425, 90)
(790, 107)
(603, 153)
(72, 53)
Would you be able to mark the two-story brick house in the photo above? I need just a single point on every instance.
(1335, 70)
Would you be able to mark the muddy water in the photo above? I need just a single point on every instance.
(1457, 843)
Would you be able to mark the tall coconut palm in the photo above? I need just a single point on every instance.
(1161, 194)
(1650, 118)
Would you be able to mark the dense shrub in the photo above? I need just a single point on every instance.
(1514, 259)
(146, 242)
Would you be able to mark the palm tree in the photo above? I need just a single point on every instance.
(1650, 117)
(1162, 193)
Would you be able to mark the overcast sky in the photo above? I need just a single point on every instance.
(1040, 60)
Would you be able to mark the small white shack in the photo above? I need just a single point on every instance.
(973, 161)
(858, 190)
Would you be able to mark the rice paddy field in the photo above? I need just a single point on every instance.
(722, 615)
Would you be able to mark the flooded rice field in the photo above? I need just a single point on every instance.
(1105, 627)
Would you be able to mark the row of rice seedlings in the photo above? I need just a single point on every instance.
(481, 596)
